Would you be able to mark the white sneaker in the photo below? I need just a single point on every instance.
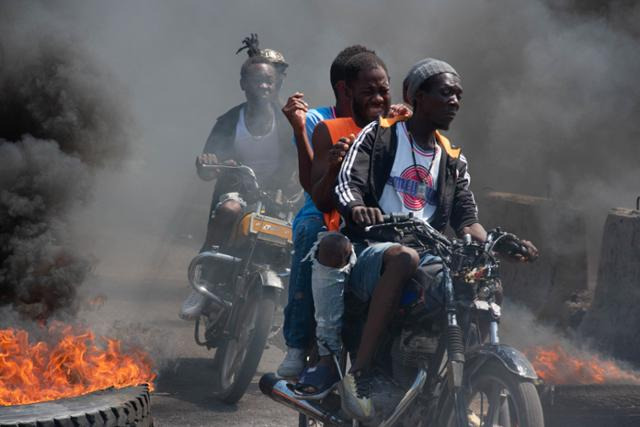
(192, 306)
(293, 363)
(355, 396)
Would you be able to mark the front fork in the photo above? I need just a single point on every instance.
(456, 348)
(455, 351)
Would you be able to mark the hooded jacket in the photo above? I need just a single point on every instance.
(367, 167)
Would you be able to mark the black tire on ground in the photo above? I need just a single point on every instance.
(522, 397)
(231, 390)
(592, 405)
(108, 408)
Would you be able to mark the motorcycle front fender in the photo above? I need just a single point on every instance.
(513, 360)
(270, 279)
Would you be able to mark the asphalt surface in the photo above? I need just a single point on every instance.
(142, 307)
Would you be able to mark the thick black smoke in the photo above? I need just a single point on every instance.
(61, 116)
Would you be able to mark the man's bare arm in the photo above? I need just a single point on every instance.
(326, 166)
(296, 112)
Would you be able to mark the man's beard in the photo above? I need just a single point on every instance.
(359, 113)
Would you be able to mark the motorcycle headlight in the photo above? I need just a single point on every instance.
(194, 273)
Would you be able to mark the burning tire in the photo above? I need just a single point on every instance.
(592, 405)
(108, 408)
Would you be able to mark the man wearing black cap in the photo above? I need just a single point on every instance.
(397, 166)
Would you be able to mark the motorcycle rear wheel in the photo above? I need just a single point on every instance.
(498, 398)
(237, 358)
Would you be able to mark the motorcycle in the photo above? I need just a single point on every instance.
(443, 367)
(243, 284)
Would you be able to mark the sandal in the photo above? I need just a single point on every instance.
(316, 382)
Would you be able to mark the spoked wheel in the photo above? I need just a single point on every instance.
(499, 398)
(237, 359)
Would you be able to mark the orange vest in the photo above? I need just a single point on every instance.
(338, 128)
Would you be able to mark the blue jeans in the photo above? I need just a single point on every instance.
(299, 324)
(367, 271)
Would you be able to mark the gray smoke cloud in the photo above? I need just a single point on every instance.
(550, 102)
(61, 117)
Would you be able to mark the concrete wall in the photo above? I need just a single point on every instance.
(548, 285)
(613, 321)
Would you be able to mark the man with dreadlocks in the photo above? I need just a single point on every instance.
(298, 320)
(254, 134)
(252, 45)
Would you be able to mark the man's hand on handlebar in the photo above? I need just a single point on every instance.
(209, 159)
(206, 159)
(517, 250)
(365, 216)
(532, 252)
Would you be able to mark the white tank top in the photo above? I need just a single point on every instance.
(410, 188)
(260, 153)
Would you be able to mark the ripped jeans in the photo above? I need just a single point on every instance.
(327, 285)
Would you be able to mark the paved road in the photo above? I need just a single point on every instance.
(142, 307)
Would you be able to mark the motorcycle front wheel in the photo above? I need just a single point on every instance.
(496, 397)
(237, 359)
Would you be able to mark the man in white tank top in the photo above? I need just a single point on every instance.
(255, 134)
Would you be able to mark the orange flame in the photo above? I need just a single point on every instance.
(76, 365)
(554, 365)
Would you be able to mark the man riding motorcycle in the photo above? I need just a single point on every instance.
(252, 133)
(397, 166)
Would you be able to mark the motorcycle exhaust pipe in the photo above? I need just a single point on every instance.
(194, 274)
(277, 390)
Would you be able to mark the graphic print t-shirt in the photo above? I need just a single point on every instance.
(412, 187)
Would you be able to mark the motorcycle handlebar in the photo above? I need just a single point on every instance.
(222, 166)
(388, 219)
(279, 198)
(509, 244)
(394, 218)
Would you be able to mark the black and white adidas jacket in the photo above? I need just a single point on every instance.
(367, 166)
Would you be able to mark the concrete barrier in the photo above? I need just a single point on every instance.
(547, 286)
(613, 321)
